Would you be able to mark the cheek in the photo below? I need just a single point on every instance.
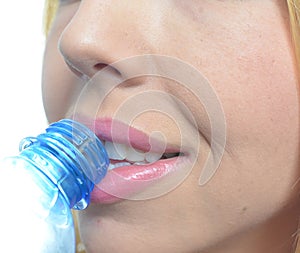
(260, 97)
(260, 101)
(60, 86)
(252, 70)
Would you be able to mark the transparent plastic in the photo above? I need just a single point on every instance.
(54, 172)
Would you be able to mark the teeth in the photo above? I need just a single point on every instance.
(116, 151)
(116, 165)
(134, 155)
(140, 163)
(122, 152)
(152, 157)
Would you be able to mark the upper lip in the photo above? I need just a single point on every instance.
(126, 181)
(108, 129)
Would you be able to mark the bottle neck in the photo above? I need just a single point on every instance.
(71, 157)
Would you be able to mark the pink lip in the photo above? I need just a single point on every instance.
(124, 182)
(127, 181)
(118, 132)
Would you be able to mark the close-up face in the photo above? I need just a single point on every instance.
(97, 62)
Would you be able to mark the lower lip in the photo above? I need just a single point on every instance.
(128, 181)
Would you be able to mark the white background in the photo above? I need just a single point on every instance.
(21, 51)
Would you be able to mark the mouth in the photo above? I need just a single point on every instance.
(122, 155)
(138, 163)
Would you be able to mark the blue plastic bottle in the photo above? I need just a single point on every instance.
(54, 172)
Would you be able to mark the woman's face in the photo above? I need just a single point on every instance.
(243, 50)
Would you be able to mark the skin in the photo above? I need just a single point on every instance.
(243, 48)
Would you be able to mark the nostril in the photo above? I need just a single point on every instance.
(101, 66)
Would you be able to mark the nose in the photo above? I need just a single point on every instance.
(104, 32)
